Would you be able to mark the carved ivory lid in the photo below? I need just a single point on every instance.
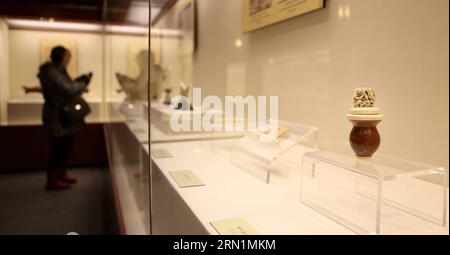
(363, 102)
(365, 117)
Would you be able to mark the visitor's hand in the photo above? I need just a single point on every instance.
(85, 78)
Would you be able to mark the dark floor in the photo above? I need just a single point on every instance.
(27, 208)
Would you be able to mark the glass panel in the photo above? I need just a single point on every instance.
(280, 65)
(221, 92)
(26, 44)
(126, 93)
(381, 195)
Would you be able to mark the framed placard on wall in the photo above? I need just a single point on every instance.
(261, 13)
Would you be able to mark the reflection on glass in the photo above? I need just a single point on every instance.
(127, 59)
(238, 43)
(344, 12)
(115, 48)
(347, 11)
(135, 88)
(171, 66)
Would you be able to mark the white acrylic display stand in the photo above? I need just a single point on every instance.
(162, 132)
(260, 158)
(161, 115)
(382, 195)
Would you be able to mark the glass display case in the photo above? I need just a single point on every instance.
(127, 56)
(29, 44)
(382, 195)
(171, 68)
(293, 68)
(116, 50)
(192, 86)
(258, 154)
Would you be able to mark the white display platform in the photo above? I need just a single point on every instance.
(161, 115)
(158, 136)
(161, 131)
(229, 192)
(273, 208)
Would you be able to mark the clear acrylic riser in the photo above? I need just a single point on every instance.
(161, 115)
(163, 132)
(381, 195)
(260, 158)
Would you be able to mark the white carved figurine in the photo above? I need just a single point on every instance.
(136, 88)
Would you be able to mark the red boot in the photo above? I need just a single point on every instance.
(65, 177)
(53, 183)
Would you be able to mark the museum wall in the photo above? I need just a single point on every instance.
(25, 50)
(313, 63)
(25, 58)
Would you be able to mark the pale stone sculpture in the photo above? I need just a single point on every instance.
(136, 88)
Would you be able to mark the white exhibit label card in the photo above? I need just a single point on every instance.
(161, 153)
(186, 179)
(236, 226)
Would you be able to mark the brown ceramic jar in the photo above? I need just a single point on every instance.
(364, 137)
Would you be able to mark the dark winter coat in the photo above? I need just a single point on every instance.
(58, 88)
